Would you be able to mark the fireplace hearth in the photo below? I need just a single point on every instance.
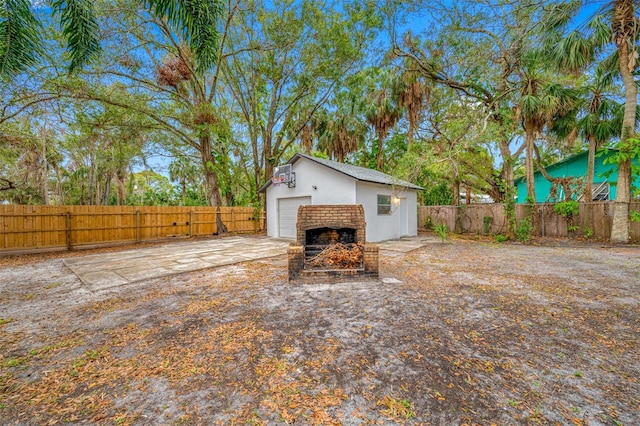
(331, 245)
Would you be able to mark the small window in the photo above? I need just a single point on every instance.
(384, 204)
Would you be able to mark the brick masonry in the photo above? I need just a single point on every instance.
(331, 216)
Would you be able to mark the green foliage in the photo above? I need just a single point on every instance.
(487, 221)
(19, 37)
(80, 27)
(524, 229)
(587, 233)
(567, 209)
(20, 32)
(623, 151)
(13, 362)
(510, 214)
(437, 195)
(428, 223)
(500, 238)
(198, 22)
(442, 231)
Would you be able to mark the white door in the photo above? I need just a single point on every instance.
(404, 217)
(288, 215)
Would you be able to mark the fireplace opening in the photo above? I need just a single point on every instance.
(325, 236)
(332, 249)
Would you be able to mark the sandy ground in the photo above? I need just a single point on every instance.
(474, 333)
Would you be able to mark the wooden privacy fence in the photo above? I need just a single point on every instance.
(593, 218)
(31, 228)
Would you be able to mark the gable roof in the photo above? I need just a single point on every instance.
(359, 173)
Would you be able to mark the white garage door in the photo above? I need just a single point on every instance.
(288, 215)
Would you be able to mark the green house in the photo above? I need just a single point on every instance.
(604, 187)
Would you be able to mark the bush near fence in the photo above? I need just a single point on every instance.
(46, 228)
(594, 219)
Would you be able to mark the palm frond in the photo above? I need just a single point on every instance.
(80, 27)
(574, 52)
(600, 30)
(20, 40)
(560, 14)
(611, 64)
(197, 22)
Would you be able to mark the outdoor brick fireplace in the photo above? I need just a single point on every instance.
(331, 245)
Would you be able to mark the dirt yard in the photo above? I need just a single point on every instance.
(474, 333)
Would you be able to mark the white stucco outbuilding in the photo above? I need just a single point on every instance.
(390, 204)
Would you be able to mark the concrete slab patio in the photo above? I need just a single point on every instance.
(106, 270)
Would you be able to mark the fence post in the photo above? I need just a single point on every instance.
(68, 229)
(191, 223)
(137, 226)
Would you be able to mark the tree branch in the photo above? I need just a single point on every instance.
(6, 184)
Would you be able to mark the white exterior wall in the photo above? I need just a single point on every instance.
(332, 188)
(388, 227)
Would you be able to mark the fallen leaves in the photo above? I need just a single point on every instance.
(485, 340)
(396, 409)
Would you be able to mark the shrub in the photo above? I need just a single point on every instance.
(567, 209)
(442, 231)
(523, 232)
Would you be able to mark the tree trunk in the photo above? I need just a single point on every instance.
(380, 156)
(269, 162)
(107, 191)
(529, 170)
(122, 190)
(45, 172)
(456, 192)
(506, 187)
(211, 178)
(591, 161)
(92, 184)
(59, 193)
(620, 227)
(183, 186)
(410, 132)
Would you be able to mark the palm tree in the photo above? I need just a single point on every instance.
(596, 120)
(382, 111)
(615, 22)
(184, 170)
(599, 123)
(412, 95)
(341, 135)
(21, 38)
(542, 100)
